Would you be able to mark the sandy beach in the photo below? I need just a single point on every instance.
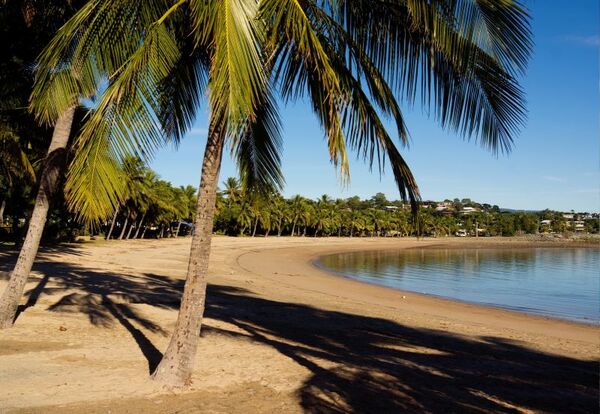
(280, 335)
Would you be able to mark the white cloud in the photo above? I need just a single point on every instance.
(593, 40)
(554, 179)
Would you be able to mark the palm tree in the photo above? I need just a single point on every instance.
(279, 213)
(245, 216)
(189, 194)
(232, 190)
(297, 209)
(40, 24)
(256, 212)
(48, 182)
(342, 56)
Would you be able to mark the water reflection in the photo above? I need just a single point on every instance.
(548, 281)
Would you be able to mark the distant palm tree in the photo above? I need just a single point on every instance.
(279, 213)
(458, 57)
(297, 212)
(189, 194)
(232, 190)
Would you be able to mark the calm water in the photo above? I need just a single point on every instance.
(547, 281)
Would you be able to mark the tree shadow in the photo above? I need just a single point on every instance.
(106, 298)
(357, 363)
(9, 254)
(380, 366)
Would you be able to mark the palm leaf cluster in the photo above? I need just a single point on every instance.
(150, 64)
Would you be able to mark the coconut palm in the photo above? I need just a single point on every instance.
(232, 190)
(189, 195)
(297, 208)
(349, 59)
(36, 21)
(279, 212)
(245, 217)
(47, 187)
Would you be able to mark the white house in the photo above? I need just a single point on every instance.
(469, 210)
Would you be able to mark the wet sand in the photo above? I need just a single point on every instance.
(279, 335)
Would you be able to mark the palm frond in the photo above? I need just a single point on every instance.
(423, 48)
(97, 41)
(369, 137)
(126, 122)
(301, 63)
(258, 150)
(237, 77)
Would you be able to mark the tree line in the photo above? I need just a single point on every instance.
(154, 208)
(243, 213)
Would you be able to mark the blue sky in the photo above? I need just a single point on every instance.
(554, 164)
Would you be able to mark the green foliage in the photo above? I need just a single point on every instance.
(251, 214)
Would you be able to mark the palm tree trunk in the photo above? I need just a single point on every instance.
(139, 226)
(178, 227)
(130, 230)
(2, 207)
(255, 227)
(54, 163)
(112, 225)
(124, 227)
(175, 368)
(293, 228)
(143, 233)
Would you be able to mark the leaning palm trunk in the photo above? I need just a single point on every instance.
(48, 182)
(175, 368)
(2, 207)
(112, 225)
(255, 227)
(139, 226)
(293, 228)
(124, 228)
(130, 230)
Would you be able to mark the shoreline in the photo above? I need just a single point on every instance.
(326, 283)
(279, 334)
(316, 263)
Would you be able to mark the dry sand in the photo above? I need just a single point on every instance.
(279, 336)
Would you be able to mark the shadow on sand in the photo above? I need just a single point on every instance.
(379, 366)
